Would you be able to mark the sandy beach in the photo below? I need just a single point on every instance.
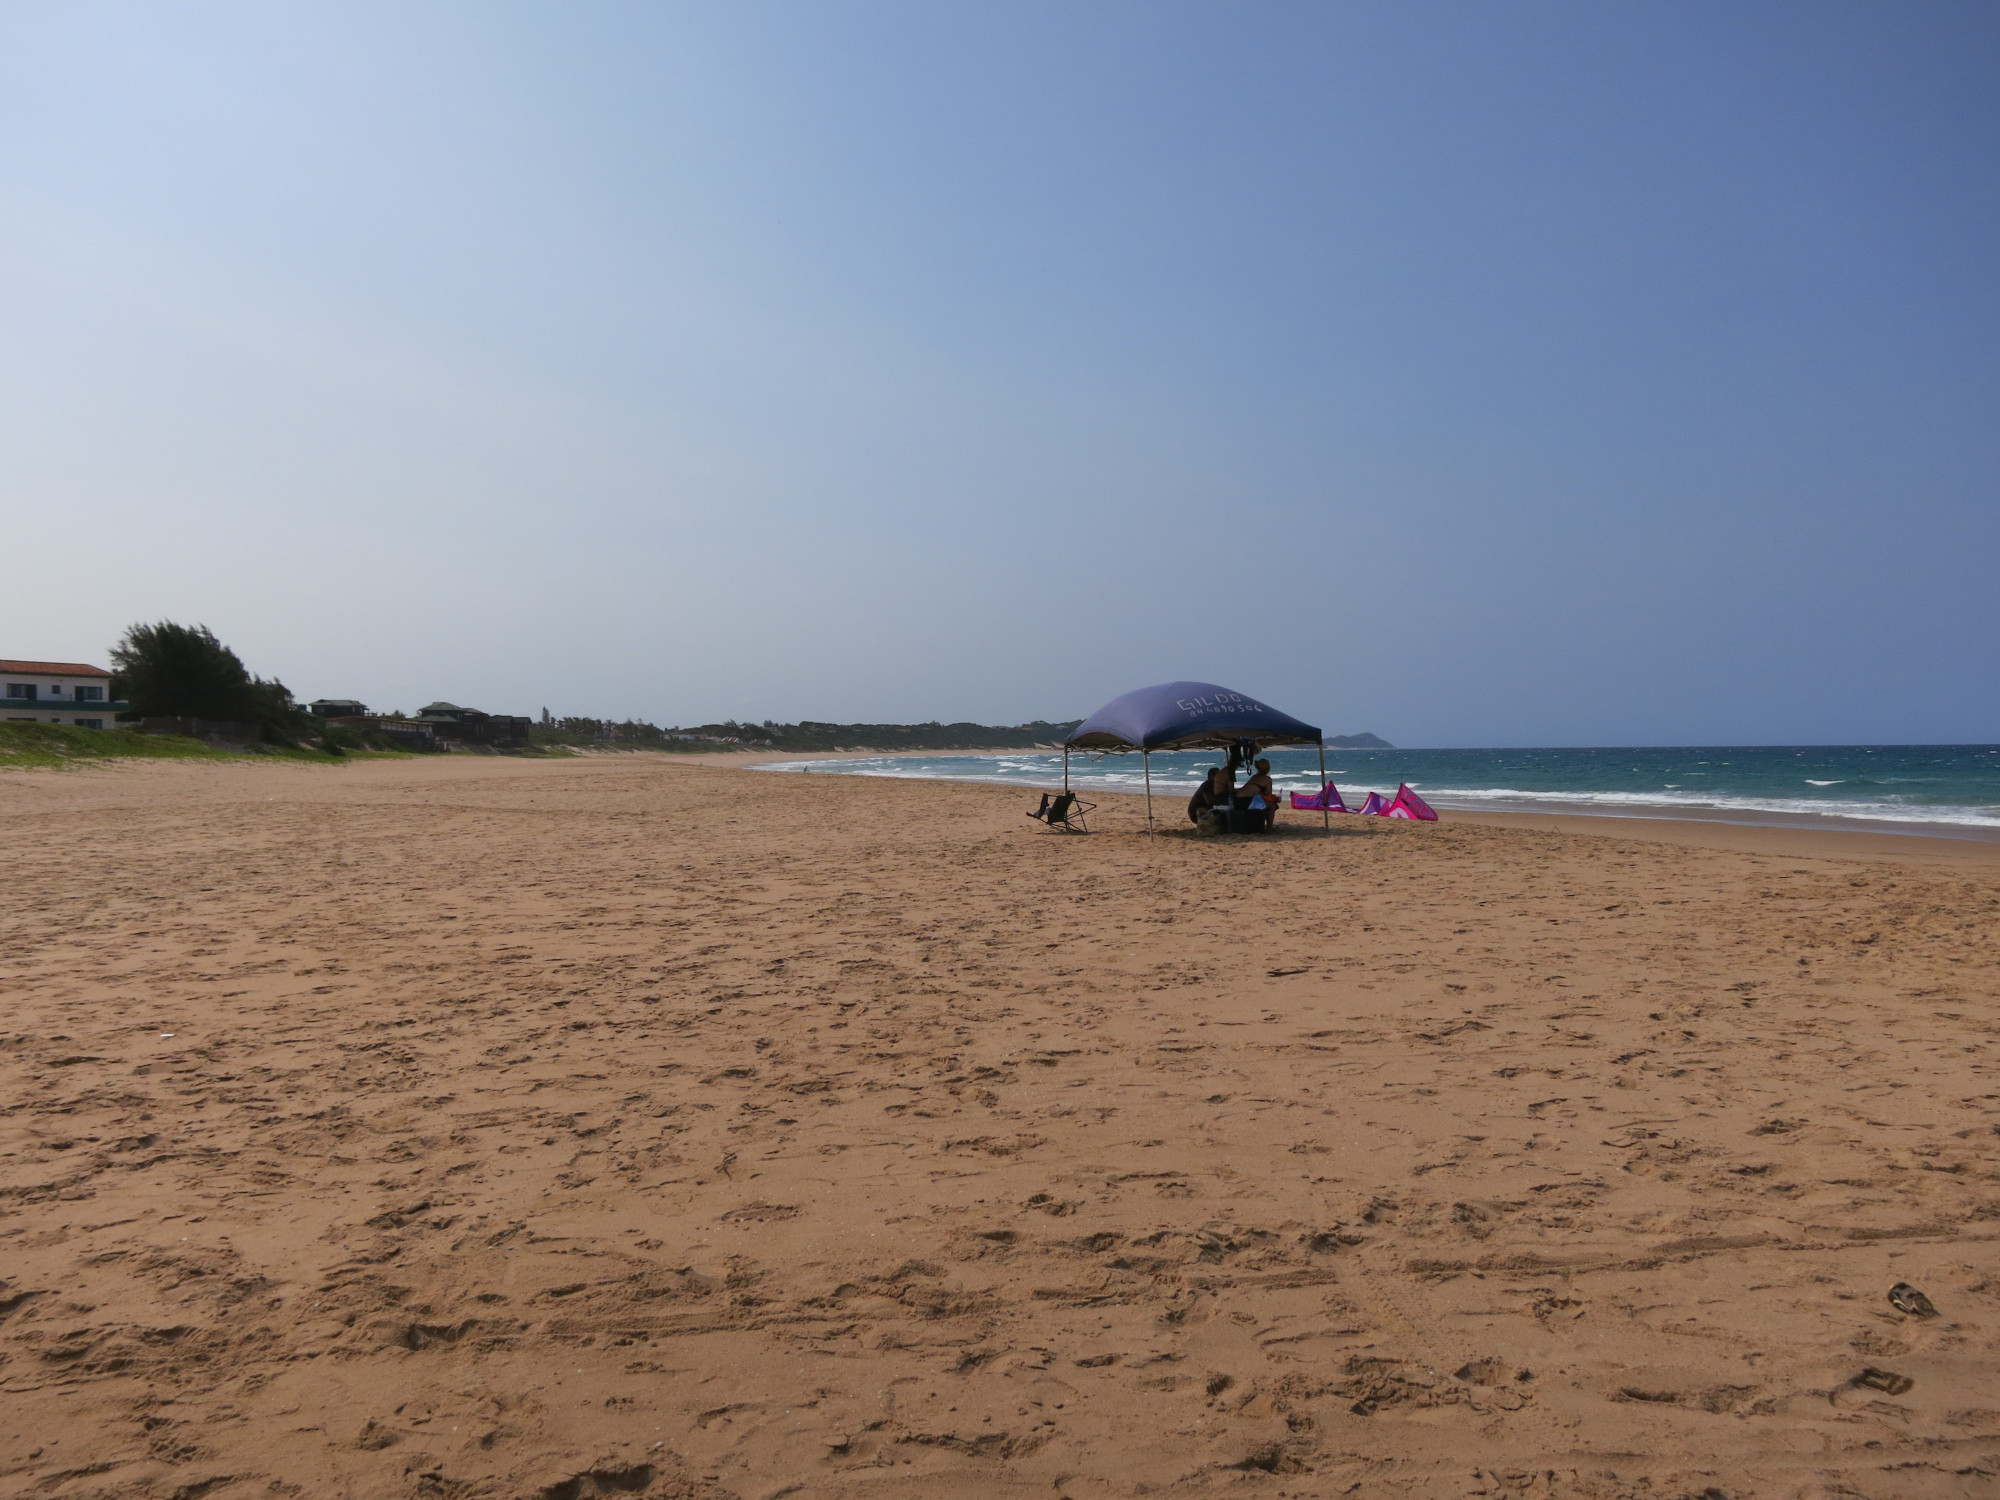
(625, 1125)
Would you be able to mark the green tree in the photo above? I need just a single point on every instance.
(183, 671)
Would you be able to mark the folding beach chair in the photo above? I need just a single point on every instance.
(1063, 812)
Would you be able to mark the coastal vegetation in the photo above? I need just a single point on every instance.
(807, 735)
(184, 673)
(28, 746)
(171, 671)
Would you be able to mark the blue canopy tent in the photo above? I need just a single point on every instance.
(1187, 716)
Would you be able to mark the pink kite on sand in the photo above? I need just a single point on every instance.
(1409, 805)
(1374, 804)
(1327, 800)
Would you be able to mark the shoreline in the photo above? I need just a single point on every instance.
(1795, 835)
(1800, 822)
(1772, 832)
(1802, 841)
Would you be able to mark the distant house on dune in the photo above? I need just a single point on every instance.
(470, 726)
(352, 713)
(408, 733)
(57, 692)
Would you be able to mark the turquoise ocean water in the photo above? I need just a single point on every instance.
(1952, 788)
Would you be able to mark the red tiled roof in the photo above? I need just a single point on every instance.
(52, 669)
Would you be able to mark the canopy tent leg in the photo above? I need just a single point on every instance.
(1147, 757)
(1065, 768)
(1325, 812)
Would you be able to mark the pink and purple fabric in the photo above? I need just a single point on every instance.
(1326, 800)
(1408, 805)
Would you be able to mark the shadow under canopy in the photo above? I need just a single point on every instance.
(1186, 716)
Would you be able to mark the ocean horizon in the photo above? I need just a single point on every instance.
(1942, 787)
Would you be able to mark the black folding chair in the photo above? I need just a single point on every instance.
(1063, 812)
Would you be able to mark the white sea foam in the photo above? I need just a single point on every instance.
(1877, 812)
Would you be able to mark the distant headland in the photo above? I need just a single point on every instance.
(810, 735)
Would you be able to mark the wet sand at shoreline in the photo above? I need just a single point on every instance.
(633, 1125)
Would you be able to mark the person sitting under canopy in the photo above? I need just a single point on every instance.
(1259, 789)
(1219, 790)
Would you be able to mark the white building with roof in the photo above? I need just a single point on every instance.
(57, 692)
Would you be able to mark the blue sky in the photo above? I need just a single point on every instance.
(1470, 373)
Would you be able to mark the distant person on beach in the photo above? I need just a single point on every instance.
(1260, 786)
(1218, 791)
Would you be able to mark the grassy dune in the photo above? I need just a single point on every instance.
(26, 746)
